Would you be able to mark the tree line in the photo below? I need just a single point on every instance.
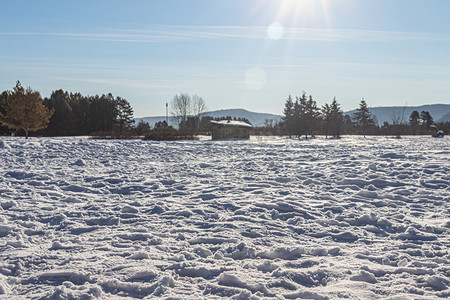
(23, 111)
(188, 113)
(63, 113)
(303, 117)
(193, 125)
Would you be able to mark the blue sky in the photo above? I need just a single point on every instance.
(247, 54)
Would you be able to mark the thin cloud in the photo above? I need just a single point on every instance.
(116, 82)
(164, 34)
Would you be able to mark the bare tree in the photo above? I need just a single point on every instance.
(180, 108)
(398, 123)
(185, 109)
(198, 109)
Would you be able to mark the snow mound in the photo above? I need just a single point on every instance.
(364, 276)
(283, 253)
(143, 276)
(4, 287)
(230, 279)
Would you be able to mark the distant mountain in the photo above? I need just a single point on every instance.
(445, 118)
(257, 119)
(439, 112)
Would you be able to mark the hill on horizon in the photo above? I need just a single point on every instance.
(439, 112)
(257, 119)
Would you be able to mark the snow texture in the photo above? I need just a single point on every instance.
(269, 217)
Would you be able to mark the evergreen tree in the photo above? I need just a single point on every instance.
(288, 118)
(311, 116)
(142, 128)
(80, 109)
(363, 117)
(326, 119)
(124, 114)
(161, 124)
(205, 124)
(336, 118)
(25, 111)
(414, 121)
(102, 113)
(333, 119)
(61, 122)
(189, 124)
(426, 121)
(3, 97)
(300, 115)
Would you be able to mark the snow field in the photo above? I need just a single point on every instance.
(266, 218)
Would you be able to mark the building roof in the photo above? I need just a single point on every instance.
(232, 123)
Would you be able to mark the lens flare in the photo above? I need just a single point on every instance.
(255, 78)
(275, 31)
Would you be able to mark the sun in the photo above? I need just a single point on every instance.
(287, 20)
(294, 14)
(301, 13)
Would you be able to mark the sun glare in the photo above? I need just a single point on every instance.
(296, 12)
(288, 18)
(275, 31)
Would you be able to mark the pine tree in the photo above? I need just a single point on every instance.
(333, 119)
(101, 113)
(288, 118)
(3, 97)
(414, 121)
(124, 114)
(300, 120)
(142, 127)
(326, 119)
(80, 109)
(302, 116)
(311, 116)
(25, 111)
(363, 117)
(61, 122)
(336, 118)
(426, 121)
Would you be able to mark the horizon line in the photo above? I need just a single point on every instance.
(269, 113)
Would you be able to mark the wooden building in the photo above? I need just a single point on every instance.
(228, 129)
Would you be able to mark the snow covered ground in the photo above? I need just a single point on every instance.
(266, 218)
